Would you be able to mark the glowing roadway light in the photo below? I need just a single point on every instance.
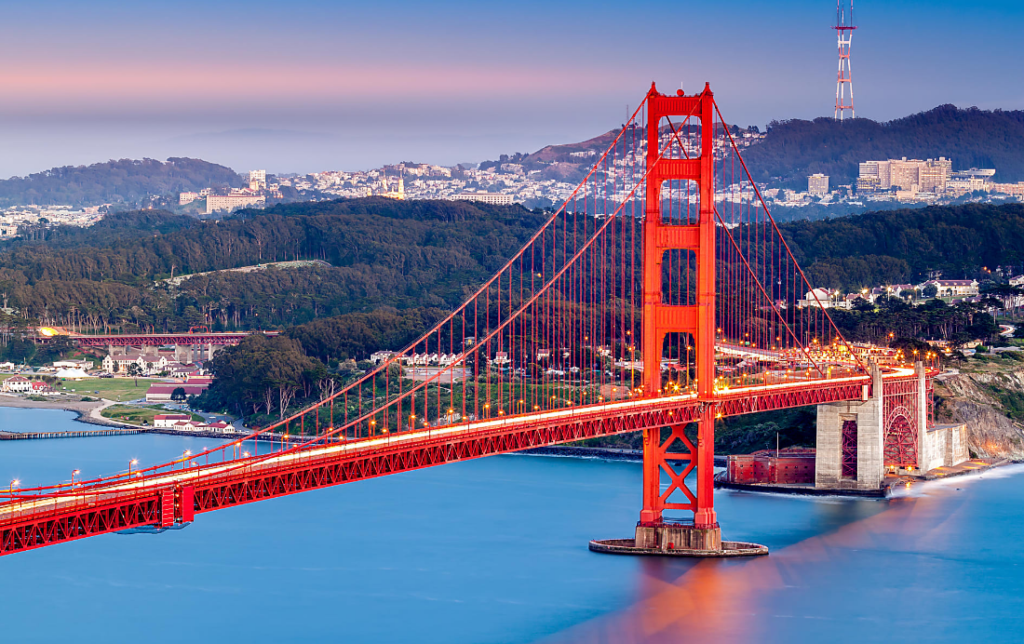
(134, 461)
(245, 454)
(14, 483)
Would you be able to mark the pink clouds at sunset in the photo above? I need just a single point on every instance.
(313, 84)
(84, 88)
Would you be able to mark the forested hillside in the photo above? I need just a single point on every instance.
(382, 253)
(397, 267)
(404, 255)
(971, 137)
(903, 245)
(126, 181)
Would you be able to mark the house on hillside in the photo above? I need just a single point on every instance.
(378, 357)
(818, 297)
(952, 288)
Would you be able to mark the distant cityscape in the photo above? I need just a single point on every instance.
(545, 179)
(905, 181)
(12, 219)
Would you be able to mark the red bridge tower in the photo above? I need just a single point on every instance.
(696, 320)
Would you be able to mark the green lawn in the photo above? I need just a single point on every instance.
(137, 414)
(110, 388)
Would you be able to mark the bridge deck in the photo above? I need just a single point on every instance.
(168, 497)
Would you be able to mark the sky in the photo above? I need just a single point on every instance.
(309, 85)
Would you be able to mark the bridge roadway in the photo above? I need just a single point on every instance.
(169, 497)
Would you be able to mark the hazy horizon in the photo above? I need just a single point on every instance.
(317, 85)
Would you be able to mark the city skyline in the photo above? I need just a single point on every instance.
(318, 86)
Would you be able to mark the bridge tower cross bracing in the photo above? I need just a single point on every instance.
(698, 319)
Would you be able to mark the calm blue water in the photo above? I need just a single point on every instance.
(495, 550)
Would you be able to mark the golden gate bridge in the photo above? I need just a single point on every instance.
(642, 304)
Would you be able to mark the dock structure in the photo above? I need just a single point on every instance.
(85, 433)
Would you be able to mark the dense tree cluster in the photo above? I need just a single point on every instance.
(971, 137)
(894, 320)
(357, 335)
(904, 245)
(382, 253)
(263, 377)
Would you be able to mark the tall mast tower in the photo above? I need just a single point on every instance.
(844, 30)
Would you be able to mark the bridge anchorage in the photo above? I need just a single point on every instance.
(641, 304)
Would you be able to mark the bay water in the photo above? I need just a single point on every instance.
(495, 550)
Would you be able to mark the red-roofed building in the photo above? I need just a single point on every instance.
(40, 387)
(219, 426)
(168, 420)
(162, 392)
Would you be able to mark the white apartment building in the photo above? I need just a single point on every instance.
(17, 384)
(913, 175)
(817, 184)
(149, 364)
(483, 197)
(952, 288)
(215, 203)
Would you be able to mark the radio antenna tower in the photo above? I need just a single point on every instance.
(844, 29)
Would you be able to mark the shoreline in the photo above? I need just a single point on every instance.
(87, 413)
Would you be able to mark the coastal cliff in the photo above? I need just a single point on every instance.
(987, 395)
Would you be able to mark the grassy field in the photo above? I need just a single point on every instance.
(138, 415)
(117, 389)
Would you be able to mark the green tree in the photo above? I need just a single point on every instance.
(19, 350)
(134, 371)
(262, 373)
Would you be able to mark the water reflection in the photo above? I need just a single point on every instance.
(875, 573)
